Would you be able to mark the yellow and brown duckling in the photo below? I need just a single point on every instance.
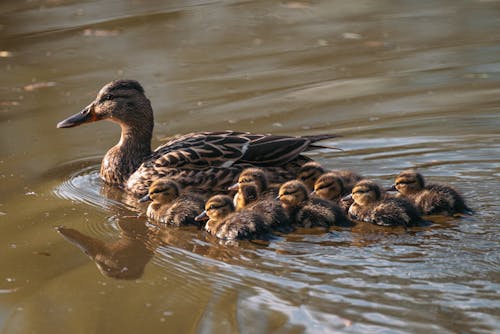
(309, 173)
(132, 165)
(255, 176)
(227, 224)
(309, 212)
(169, 206)
(372, 206)
(430, 199)
(331, 187)
(249, 197)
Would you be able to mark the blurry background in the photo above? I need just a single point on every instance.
(406, 84)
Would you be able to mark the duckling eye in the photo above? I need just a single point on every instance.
(323, 186)
(360, 191)
(107, 97)
(404, 182)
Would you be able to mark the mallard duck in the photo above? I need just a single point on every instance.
(212, 159)
(249, 197)
(224, 223)
(372, 206)
(330, 186)
(309, 212)
(431, 199)
(311, 171)
(169, 206)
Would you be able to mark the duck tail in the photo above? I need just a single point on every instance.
(316, 138)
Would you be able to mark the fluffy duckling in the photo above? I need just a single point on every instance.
(169, 206)
(249, 197)
(224, 223)
(259, 177)
(309, 212)
(372, 206)
(430, 199)
(330, 187)
(309, 173)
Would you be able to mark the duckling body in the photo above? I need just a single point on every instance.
(132, 165)
(225, 223)
(169, 206)
(430, 199)
(371, 206)
(249, 198)
(309, 212)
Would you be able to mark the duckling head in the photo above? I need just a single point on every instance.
(293, 193)
(162, 191)
(309, 173)
(217, 208)
(366, 192)
(252, 175)
(247, 193)
(409, 182)
(121, 101)
(329, 186)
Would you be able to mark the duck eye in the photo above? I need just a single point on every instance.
(107, 97)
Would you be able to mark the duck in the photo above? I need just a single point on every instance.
(331, 187)
(249, 197)
(371, 205)
(430, 199)
(308, 212)
(169, 206)
(227, 224)
(311, 171)
(212, 159)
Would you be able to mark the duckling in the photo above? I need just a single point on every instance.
(309, 173)
(249, 198)
(225, 223)
(330, 186)
(371, 206)
(259, 178)
(132, 165)
(309, 212)
(430, 199)
(169, 206)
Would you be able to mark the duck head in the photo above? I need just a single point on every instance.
(366, 192)
(329, 186)
(252, 175)
(121, 101)
(216, 208)
(408, 182)
(247, 193)
(293, 193)
(309, 173)
(162, 191)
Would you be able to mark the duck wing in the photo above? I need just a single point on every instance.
(223, 149)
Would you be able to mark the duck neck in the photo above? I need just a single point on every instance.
(125, 157)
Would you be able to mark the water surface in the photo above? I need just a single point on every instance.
(406, 84)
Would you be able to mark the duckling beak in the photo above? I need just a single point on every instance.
(347, 197)
(85, 116)
(313, 193)
(391, 188)
(145, 199)
(234, 186)
(201, 217)
(277, 198)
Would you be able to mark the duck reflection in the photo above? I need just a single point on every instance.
(124, 258)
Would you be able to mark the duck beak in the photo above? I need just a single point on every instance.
(145, 199)
(87, 115)
(391, 188)
(201, 217)
(234, 186)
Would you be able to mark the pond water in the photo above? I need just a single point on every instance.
(406, 84)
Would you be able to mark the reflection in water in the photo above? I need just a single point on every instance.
(124, 258)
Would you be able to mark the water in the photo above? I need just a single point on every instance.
(408, 84)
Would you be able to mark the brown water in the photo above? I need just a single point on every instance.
(407, 84)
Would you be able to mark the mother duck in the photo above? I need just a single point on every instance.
(210, 160)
